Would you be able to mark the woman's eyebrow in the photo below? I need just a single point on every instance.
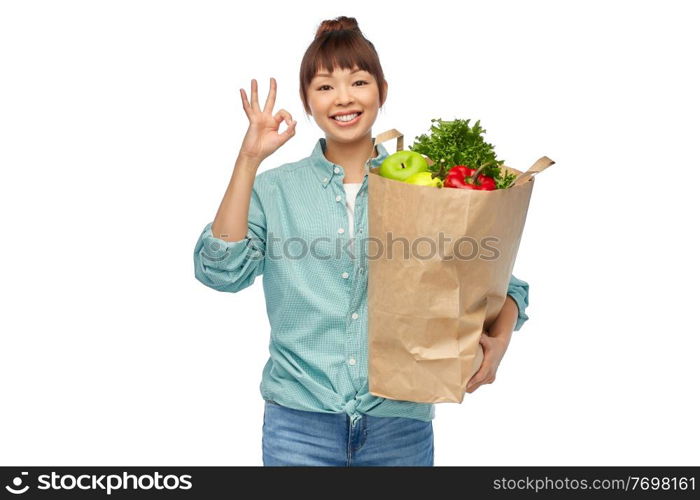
(329, 75)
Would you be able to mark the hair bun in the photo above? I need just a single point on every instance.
(338, 24)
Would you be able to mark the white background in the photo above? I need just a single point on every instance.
(119, 126)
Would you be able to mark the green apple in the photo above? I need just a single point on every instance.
(424, 179)
(402, 165)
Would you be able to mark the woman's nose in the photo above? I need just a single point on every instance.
(344, 96)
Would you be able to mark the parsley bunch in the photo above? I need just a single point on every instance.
(456, 143)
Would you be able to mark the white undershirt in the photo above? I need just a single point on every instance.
(351, 189)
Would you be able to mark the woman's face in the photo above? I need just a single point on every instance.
(342, 92)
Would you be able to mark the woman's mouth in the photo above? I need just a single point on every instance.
(343, 121)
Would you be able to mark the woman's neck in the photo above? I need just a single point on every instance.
(351, 156)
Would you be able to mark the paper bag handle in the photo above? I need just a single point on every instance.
(538, 167)
(395, 134)
(388, 135)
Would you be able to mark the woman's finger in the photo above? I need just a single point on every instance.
(254, 95)
(483, 372)
(485, 341)
(291, 130)
(270, 103)
(477, 378)
(246, 104)
(284, 114)
(471, 387)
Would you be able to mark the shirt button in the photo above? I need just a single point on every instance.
(351, 361)
(336, 170)
(341, 230)
(338, 198)
(325, 179)
(362, 270)
(355, 315)
(345, 275)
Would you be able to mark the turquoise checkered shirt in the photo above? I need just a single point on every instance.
(316, 293)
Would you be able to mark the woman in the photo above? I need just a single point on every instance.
(295, 224)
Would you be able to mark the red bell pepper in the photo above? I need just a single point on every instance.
(461, 176)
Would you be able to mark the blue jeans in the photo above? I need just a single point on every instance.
(303, 438)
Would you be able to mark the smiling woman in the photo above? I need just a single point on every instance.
(316, 290)
(340, 44)
(326, 86)
(342, 86)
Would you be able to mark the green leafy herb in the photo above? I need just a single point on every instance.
(456, 143)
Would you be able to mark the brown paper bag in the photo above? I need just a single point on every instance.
(429, 303)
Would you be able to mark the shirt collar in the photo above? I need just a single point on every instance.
(326, 170)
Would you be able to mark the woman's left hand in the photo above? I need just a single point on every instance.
(494, 349)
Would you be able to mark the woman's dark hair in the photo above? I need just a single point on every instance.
(339, 43)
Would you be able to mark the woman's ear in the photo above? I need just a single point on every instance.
(386, 92)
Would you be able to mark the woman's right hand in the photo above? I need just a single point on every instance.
(262, 138)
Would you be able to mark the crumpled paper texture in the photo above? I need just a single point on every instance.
(427, 311)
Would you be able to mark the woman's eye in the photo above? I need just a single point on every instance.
(359, 81)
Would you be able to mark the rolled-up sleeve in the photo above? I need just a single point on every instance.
(231, 266)
(519, 290)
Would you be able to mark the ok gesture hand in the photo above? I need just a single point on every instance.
(262, 138)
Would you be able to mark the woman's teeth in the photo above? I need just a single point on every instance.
(346, 118)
